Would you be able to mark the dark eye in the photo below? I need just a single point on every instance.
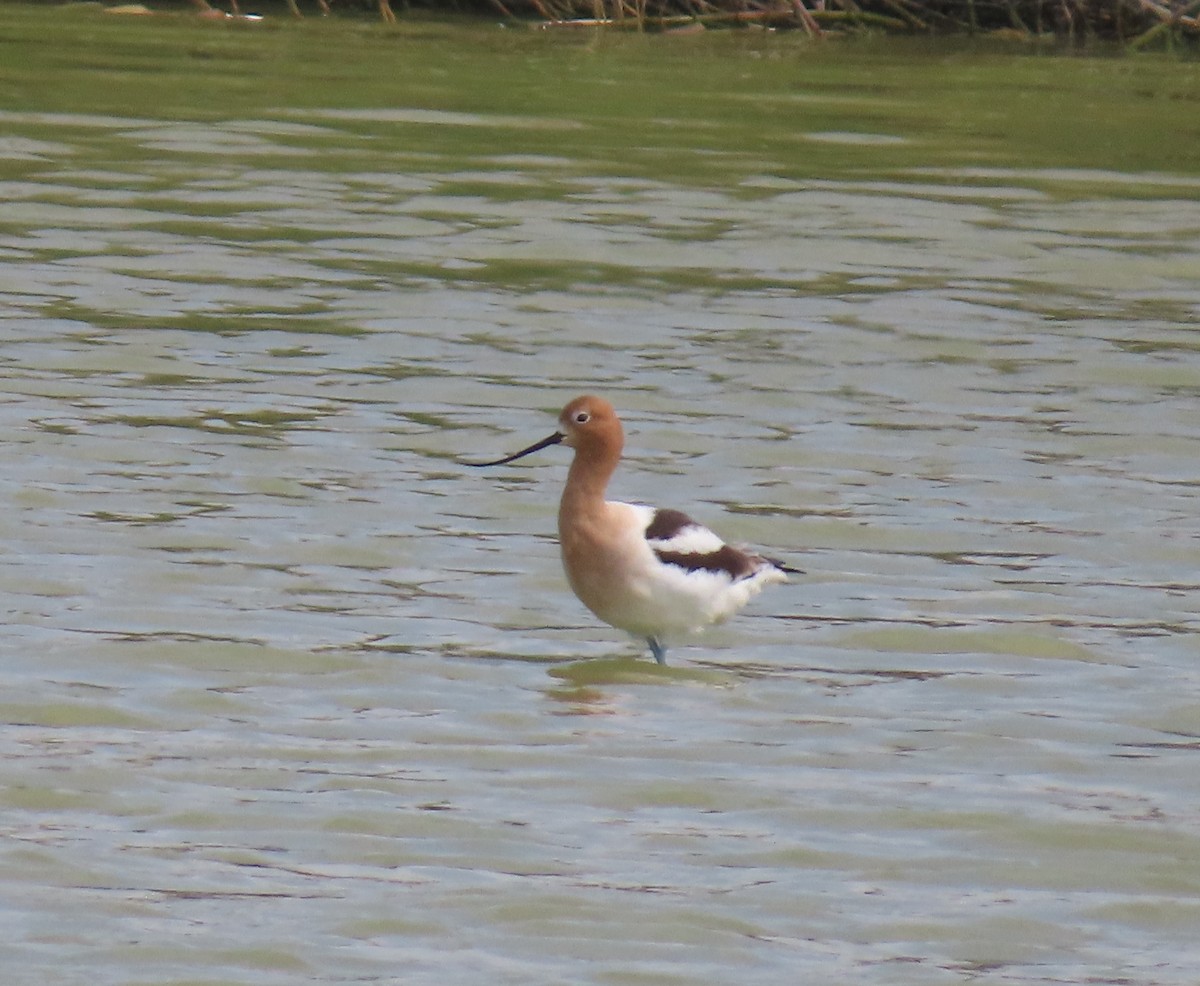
(582, 417)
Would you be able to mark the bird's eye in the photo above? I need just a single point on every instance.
(582, 417)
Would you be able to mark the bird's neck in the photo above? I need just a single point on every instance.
(587, 482)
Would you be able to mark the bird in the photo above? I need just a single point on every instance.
(652, 572)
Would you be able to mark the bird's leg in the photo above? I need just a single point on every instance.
(657, 649)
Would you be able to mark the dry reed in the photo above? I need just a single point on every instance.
(1133, 23)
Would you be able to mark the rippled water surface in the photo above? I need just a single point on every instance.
(289, 696)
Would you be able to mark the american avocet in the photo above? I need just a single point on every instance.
(654, 573)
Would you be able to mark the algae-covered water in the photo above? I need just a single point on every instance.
(287, 695)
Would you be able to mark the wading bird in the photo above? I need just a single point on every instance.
(652, 572)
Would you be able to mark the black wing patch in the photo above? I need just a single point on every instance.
(678, 540)
(729, 561)
(666, 524)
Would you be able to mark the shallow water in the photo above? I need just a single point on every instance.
(290, 696)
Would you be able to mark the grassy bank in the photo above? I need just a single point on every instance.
(1131, 22)
(1136, 23)
(1170, 24)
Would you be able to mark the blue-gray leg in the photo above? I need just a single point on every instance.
(657, 649)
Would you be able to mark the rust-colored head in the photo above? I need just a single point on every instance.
(590, 425)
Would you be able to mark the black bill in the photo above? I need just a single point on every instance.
(554, 439)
